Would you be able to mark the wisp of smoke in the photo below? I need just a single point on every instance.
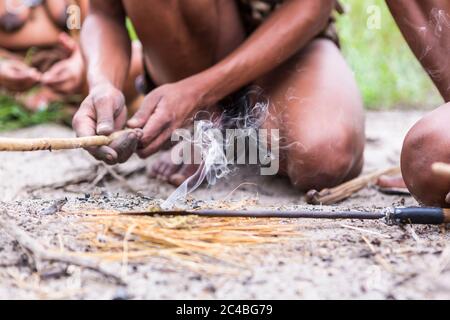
(247, 111)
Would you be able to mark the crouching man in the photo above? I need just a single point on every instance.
(199, 52)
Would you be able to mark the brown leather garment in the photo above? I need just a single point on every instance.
(255, 12)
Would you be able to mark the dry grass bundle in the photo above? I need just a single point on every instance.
(202, 244)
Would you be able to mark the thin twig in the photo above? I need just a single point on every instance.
(378, 257)
(121, 179)
(40, 253)
(365, 231)
(347, 189)
(235, 189)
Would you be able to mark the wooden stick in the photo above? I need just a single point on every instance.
(442, 169)
(14, 144)
(344, 191)
(40, 253)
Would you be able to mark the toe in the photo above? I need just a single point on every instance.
(180, 176)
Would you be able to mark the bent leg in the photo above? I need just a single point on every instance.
(426, 143)
(315, 102)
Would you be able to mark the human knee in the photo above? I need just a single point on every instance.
(426, 143)
(326, 163)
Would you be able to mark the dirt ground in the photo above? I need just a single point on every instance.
(331, 259)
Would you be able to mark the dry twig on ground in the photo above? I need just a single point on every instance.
(346, 190)
(41, 253)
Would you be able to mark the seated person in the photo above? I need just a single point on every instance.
(198, 52)
(426, 26)
(38, 50)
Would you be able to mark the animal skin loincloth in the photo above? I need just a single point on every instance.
(255, 12)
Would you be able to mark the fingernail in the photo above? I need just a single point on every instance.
(132, 136)
(132, 122)
(103, 128)
(109, 157)
(139, 133)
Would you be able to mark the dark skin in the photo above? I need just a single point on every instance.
(197, 56)
(65, 77)
(426, 27)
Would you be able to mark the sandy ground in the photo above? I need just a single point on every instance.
(333, 259)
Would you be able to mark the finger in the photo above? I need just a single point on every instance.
(26, 73)
(155, 146)
(52, 75)
(157, 123)
(140, 118)
(121, 119)
(104, 108)
(67, 42)
(447, 198)
(58, 79)
(125, 145)
(105, 154)
(35, 75)
(84, 124)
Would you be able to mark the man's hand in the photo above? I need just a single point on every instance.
(66, 76)
(17, 76)
(164, 109)
(102, 113)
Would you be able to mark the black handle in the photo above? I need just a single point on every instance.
(417, 215)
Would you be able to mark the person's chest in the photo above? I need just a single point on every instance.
(38, 30)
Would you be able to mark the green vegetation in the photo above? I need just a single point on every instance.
(387, 72)
(13, 116)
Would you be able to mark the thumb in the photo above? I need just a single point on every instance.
(67, 42)
(105, 120)
(35, 74)
(447, 198)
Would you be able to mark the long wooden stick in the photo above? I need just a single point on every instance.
(14, 144)
(442, 169)
(344, 191)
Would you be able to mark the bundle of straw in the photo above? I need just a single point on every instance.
(199, 243)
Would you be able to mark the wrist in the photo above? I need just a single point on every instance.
(210, 86)
(101, 86)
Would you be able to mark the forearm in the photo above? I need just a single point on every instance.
(283, 34)
(424, 24)
(106, 47)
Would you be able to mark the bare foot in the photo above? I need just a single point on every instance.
(391, 182)
(166, 170)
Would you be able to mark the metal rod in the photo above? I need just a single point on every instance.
(267, 214)
(414, 215)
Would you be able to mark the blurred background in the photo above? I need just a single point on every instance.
(388, 74)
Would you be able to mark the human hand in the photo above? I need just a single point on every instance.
(66, 76)
(164, 110)
(102, 113)
(17, 76)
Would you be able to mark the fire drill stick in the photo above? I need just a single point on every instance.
(39, 144)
